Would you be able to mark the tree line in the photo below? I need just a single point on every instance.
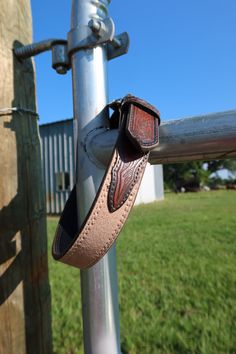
(192, 176)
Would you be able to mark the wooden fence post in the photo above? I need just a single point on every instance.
(25, 304)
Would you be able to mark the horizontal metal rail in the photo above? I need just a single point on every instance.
(205, 137)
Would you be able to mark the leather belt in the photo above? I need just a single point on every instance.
(138, 123)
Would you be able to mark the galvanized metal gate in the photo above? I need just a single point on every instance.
(91, 43)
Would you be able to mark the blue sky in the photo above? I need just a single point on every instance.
(182, 56)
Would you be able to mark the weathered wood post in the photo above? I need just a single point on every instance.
(91, 43)
(25, 317)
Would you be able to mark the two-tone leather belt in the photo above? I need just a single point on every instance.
(138, 123)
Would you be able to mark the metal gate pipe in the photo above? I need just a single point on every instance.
(205, 137)
(90, 97)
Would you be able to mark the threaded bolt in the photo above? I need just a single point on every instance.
(95, 26)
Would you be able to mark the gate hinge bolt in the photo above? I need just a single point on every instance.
(95, 26)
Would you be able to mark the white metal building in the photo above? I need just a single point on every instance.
(58, 165)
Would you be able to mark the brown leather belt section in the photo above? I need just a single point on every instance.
(138, 123)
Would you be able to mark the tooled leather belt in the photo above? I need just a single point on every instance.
(138, 123)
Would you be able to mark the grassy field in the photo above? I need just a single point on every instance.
(177, 279)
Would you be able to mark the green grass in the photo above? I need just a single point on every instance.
(177, 279)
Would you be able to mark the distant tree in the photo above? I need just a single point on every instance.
(191, 175)
(217, 165)
(187, 175)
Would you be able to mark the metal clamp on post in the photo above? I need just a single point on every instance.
(96, 33)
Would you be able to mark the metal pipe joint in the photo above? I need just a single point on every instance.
(97, 32)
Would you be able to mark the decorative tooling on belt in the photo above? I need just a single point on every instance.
(138, 123)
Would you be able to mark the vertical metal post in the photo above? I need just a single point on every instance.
(98, 284)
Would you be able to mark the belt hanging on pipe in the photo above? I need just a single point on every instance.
(138, 123)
